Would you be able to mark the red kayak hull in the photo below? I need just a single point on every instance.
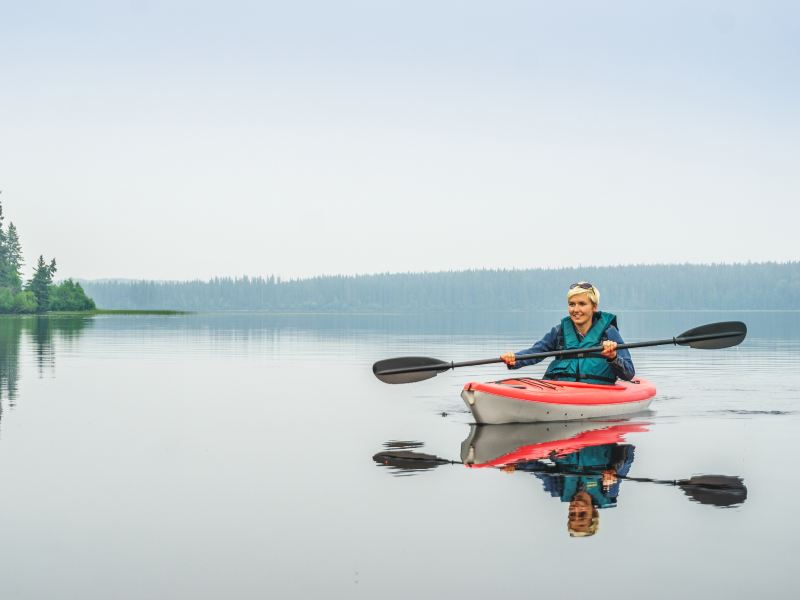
(526, 400)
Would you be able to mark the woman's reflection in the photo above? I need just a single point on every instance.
(588, 479)
(582, 464)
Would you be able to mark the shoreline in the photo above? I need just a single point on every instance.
(101, 311)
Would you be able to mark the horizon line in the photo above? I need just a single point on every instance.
(438, 272)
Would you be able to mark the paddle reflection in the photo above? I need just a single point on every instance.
(582, 463)
(403, 460)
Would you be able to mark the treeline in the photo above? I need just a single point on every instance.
(38, 294)
(766, 286)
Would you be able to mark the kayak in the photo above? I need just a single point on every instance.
(526, 400)
(502, 445)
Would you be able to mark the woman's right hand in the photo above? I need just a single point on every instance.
(509, 358)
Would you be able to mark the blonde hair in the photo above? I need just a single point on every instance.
(592, 292)
(588, 531)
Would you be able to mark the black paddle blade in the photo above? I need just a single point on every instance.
(719, 490)
(408, 460)
(411, 369)
(722, 335)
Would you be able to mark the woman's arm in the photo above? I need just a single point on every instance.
(546, 344)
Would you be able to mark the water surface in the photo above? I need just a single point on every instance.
(231, 455)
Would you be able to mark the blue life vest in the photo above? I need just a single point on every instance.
(590, 369)
(594, 458)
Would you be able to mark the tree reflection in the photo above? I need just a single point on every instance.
(43, 333)
(10, 333)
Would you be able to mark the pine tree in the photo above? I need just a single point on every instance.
(3, 253)
(40, 283)
(14, 262)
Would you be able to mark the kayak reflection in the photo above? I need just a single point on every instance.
(503, 445)
(583, 463)
(581, 450)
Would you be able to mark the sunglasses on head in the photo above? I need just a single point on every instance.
(583, 285)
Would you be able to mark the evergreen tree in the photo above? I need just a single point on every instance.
(40, 283)
(3, 253)
(14, 262)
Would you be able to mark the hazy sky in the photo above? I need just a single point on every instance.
(174, 140)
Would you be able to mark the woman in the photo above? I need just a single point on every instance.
(585, 327)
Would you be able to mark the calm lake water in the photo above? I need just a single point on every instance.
(231, 456)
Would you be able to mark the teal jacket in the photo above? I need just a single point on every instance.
(588, 369)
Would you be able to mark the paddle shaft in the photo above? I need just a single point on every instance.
(579, 352)
(733, 483)
(559, 472)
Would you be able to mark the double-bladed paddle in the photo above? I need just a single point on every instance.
(718, 490)
(408, 369)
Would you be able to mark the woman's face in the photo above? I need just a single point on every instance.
(580, 512)
(580, 310)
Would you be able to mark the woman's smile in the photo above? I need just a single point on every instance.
(581, 310)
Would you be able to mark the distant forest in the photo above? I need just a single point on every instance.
(766, 286)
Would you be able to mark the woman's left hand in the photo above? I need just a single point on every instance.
(609, 350)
